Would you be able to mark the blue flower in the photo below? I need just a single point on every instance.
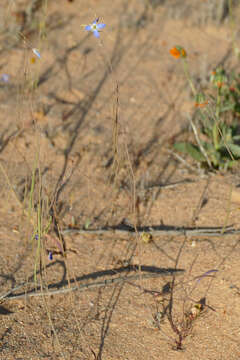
(4, 78)
(50, 255)
(95, 27)
(36, 52)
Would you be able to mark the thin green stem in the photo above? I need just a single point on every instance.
(188, 76)
(215, 129)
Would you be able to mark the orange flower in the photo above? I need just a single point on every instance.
(201, 105)
(177, 52)
(218, 77)
(200, 100)
(220, 84)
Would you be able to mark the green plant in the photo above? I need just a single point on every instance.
(215, 124)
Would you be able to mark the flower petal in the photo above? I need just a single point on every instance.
(175, 52)
(101, 26)
(88, 27)
(4, 78)
(36, 52)
(96, 33)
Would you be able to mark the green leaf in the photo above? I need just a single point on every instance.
(227, 108)
(208, 147)
(235, 149)
(236, 137)
(190, 149)
(87, 223)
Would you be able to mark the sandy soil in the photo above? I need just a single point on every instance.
(91, 173)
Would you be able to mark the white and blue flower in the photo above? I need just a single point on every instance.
(95, 27)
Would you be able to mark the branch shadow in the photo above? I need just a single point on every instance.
(94, 275)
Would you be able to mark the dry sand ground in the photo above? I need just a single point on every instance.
(70, 118)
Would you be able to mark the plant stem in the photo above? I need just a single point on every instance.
(187, 74)
(215, 131)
